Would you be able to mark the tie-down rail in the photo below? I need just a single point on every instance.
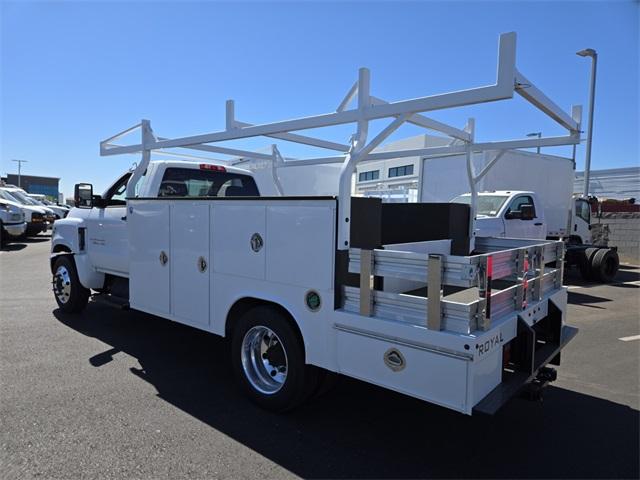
(506, 276)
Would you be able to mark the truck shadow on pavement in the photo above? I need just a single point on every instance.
(16, 245)
(357, 430)
(625, 275)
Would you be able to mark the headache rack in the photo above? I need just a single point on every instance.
(460, 294)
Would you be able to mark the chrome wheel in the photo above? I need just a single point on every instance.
(62, 284)
(264, 360)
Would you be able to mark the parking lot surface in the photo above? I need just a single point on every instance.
(122, 394)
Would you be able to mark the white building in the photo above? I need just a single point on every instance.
(395, 175)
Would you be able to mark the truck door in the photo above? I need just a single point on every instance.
(582, 221)
(108, 245)
(190, 262)
(518, 226)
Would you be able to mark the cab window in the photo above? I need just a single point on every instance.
(516, 204)
(117, 194)
(190, 182)
(583, 210)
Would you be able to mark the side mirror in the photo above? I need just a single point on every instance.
(83, 195)
(527, 212)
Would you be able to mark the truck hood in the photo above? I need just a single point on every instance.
(25, 208)
(13, 207)
(13, 204)
(32, 208)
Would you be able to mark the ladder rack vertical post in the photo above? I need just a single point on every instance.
(366, 282)
(539, 271)
(559, 264)
(434, 289)
(484, 287)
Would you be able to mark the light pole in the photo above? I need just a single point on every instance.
(535, 134)
(589, 52)
(20, 162)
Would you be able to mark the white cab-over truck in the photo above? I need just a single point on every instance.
(521, 214)
(526, 195)
(399, 295)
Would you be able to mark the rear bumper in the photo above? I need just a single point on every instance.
(15, 229)
(533, 359)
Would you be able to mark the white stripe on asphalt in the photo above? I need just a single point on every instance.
(630, 339)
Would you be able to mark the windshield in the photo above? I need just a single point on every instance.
(488, 205)
(24, 199)
(7, 196)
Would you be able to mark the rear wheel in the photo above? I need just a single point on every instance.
(268, 360)
(69, 293)
(605, 265)
(585, 263)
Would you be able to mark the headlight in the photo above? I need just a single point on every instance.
(6, 208)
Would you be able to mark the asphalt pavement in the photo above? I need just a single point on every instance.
(122, 394)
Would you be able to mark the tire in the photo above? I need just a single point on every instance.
(69, 293)
(1, 235)
(604, 265)
(585, 264)
(274, 377)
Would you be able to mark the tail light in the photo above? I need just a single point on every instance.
(212, 168)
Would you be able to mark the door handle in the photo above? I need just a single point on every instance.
(537, 224)
(202, 264)
(123, 218)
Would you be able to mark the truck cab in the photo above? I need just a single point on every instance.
(510, 214)
(96, 229)
(581, 220)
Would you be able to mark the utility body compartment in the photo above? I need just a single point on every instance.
(192, 259)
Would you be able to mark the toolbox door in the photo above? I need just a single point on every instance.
(190, 262)
(150, 261)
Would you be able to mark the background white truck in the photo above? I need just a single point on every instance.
(36, 218)
(400, 295)
(546, 182)
(12, 224)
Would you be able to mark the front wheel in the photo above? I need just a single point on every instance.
(268, 360)
(69, 293)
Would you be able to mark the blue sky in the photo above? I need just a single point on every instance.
(74, 73)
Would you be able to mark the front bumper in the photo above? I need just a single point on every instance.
(34, 228)
(15, 229)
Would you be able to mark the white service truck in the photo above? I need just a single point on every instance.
(200, 247)
(399, 295)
